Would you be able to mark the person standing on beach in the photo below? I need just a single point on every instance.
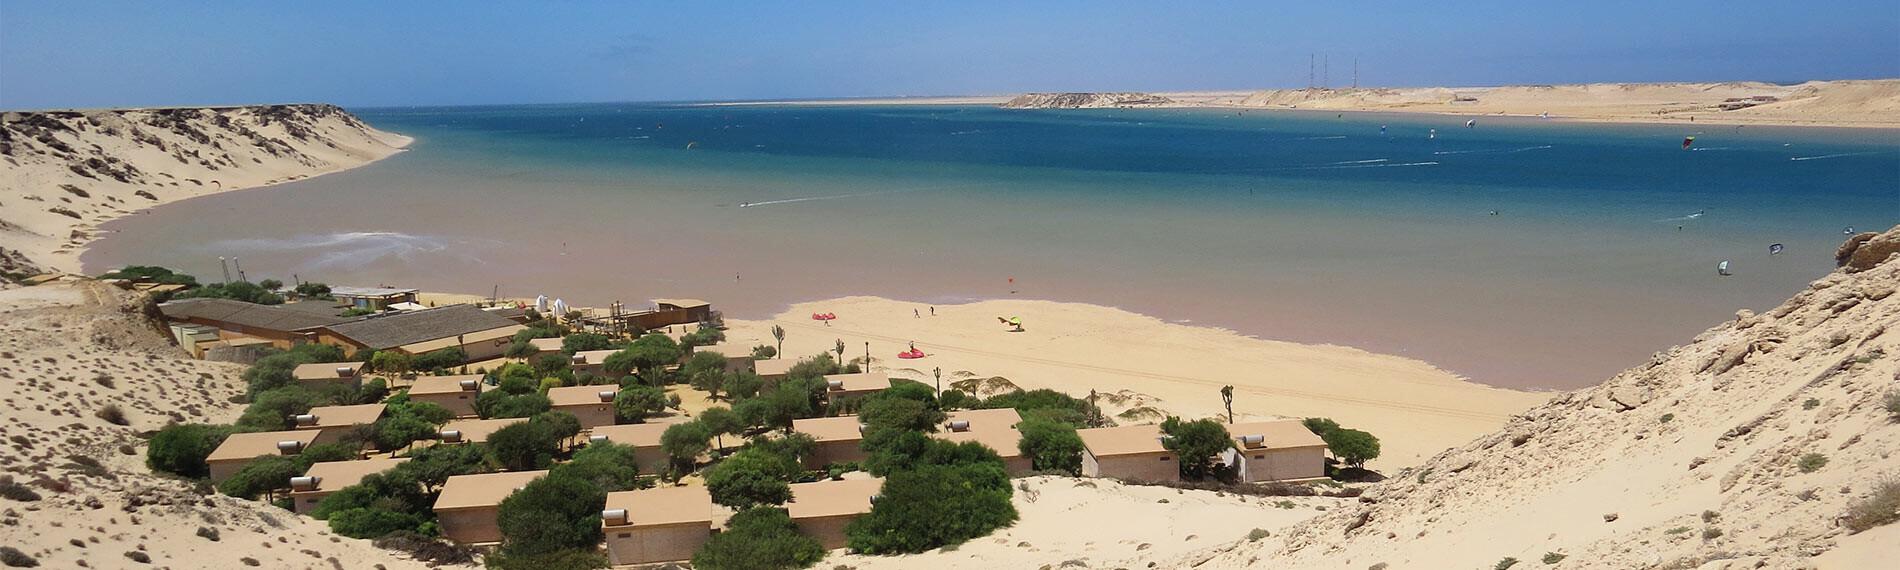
(916, 315)
(933, 310)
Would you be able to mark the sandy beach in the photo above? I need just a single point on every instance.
(1416, 410)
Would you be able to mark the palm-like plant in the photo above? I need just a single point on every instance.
(840, 350)
(778, 333)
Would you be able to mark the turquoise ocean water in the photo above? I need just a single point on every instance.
(1364, 229)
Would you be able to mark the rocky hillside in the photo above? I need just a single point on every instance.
(1086, 101)
(83, 373)
(63, 172)
(1751, 446)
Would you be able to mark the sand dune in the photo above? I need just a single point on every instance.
(1416, 409)
(1868, 103)
(65, 172)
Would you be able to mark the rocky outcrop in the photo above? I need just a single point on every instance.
(1741, 449)
(1086, 101)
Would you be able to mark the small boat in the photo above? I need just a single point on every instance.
(1722, 268)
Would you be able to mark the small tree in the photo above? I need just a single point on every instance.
(721, 421)
(1195, 443)
(778, 333)
(706, 371)
(181, 449)
(743, 385)
(549, 515)
(750, 479)
(1320, 426)
(581, 342)
(1227, 398)
(524, 446)
(684, 442)
(1352, 446)
(762, 538)
(391, 362)
(637, 403)
(609, 465)
(879, 413)
(1051, 445)
(763, 351)
(271, 284)
(929, 506)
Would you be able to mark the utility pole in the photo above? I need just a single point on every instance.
(938, 372)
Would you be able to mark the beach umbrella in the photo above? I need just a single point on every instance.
(541, 303)
(560, 307)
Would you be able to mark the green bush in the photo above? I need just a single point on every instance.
(441, 359)
(608, 465)
(1554, 557)
(551, 514)
(684, 442)
(372, 522)
(929, 506)
(501, 404)
(639, 402)
(1049, 403)
(1507, 562)
(391, 362)
(558, 560)
(180, 449)
(882, 413)
(1880, 508)
(763, 352)
(236, 290)
(751, 478)
(582, 342)
(762, 538)
(1891, 402)
(706, 372)
(1812, 462)
(1051, 445)
(1352, 446)
(524, 446)
(1195, 444)
(644, 358)
(153, 273)
(314, 290)
(1320, 426)
(742, 385)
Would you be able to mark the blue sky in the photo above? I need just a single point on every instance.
(88, 54)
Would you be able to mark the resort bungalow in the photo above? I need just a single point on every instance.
(643, 438)
(822, 509)
(470, 505)
(1128, 452)
(240, 449)
(283, 327)
(481, 334)
(592, 405)
(373, 298)
(545, 345)
(995, 429)
(665, 524)
(837, 440)
(331, 476)
(1277, 451)
(589, 361)
(741, 363)
(456, 393)
(332, 422)
(322, 376)
(773, 370)
(669, 312)
(474, 431)
(850, 386)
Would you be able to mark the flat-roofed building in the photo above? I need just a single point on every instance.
(333, 422)
(664, 524)
(643, 438)
(773, 370)
(592, 405)
(741, 363)
(590, 361)
(837, 439)
(455, 393)
(469, 507)
(240, 449)
(328, 477)
(545, 345)
(821, 509)
(995, 429)
(327, 375)
(474, 431)
(1128, 452)
(480, 334)
(858, 385)
(1278, 450)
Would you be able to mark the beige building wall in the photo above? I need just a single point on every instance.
(829, 452)
(221, 470)
(1018, 465)
(829, 531)
(650, 460)
(476, 525)
(651, 544)
(1160, 466)
(462, 404)
(1259, 465)
(304, 502)
(591, 414)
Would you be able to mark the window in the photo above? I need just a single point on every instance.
(1165, 458)
(1259, 457)
(624, 535)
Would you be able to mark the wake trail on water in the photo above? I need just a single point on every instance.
(1376, 165)
(853, 195)
(1360, 161)
(1491, 150)
(1334, 137)
(1828, 156)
